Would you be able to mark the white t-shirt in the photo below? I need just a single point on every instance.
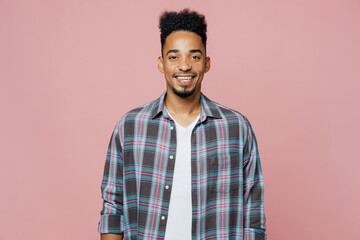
(180, 209)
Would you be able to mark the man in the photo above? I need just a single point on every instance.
(182, 166)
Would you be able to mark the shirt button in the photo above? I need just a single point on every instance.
(171, 156)
(167, 187)
(162, 217)
(172, 128)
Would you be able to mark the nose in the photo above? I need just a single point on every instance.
(184, 65)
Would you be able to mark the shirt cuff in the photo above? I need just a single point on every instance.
(254, 234)
(111, 223)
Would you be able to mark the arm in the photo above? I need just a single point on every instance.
(253, 186)
(111, 220)
(110, 236)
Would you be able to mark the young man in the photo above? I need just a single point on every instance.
(182, 166)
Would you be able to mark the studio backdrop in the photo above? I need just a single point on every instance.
(70, 69)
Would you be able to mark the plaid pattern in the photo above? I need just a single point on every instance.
(227, 182)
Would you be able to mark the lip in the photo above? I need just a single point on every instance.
(184, 79)
(185, 75)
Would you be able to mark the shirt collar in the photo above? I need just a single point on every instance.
(208, 108)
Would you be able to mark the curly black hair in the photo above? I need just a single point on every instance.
(185, 20)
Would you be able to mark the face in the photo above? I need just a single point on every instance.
(184, 63)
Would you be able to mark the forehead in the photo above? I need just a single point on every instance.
(183, 40)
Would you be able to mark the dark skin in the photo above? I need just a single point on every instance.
(184, 63)
(111, 236)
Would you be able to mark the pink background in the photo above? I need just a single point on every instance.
(70, 69)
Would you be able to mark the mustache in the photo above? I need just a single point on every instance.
(184, 73)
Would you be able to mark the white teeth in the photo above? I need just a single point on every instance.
(184, 78)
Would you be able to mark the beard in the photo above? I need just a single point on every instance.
(183, 93)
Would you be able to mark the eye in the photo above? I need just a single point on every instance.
(172, 57)
(195, 57)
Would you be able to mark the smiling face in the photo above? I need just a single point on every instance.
(184, 63)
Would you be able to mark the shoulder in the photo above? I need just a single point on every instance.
(236, 122)
(228, 114)
(141, 113)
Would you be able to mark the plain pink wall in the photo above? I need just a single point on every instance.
(70, 69)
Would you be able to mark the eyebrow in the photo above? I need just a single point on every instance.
(173, 51)
(177, 50)
(196, 50)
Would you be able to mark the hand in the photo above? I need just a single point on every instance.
(111, 236)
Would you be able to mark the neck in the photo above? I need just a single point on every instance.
(183, 106)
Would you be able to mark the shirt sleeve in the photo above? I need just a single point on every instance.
(111, 219)
(253, 187)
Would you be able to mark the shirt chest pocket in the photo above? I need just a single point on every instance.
(224, 173)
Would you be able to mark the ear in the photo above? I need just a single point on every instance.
(161, 64)
(207, 64)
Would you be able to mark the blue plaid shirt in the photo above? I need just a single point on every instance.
(227, 182)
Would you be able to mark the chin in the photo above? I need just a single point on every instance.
(183, 93)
